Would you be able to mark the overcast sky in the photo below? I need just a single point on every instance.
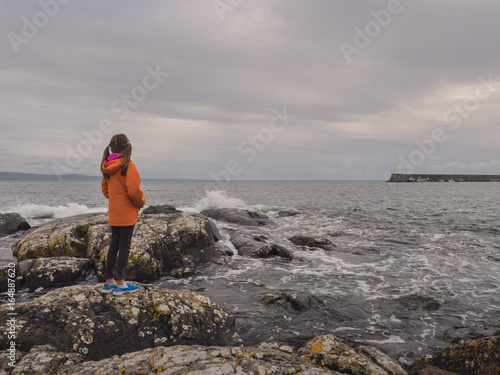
(251, 89)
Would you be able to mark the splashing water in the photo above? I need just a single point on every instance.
(218, 199)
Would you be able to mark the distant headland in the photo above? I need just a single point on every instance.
(416, 177)
(45, 177)
(16, 176)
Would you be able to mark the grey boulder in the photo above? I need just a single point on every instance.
(257, 247)
(237, 216)
(12, 222)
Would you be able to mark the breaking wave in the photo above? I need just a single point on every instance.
(38, 211)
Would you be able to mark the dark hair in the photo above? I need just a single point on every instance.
(119, 144)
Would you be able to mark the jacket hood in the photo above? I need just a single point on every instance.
(112, 167)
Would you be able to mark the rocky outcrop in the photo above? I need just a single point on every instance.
(213, 360)
(311, 242)
(163, 209)
(163, 244)
(319, 357)
(237, 216)
(257, 247)
(477, 357)
(82, 320)
(52, 272)
(59, 238)
(336, 354)
(12, 222)
(174, 244)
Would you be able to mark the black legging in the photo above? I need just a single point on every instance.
(121, 238)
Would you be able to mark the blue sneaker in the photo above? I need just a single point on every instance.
(125, 288)
(108, 288)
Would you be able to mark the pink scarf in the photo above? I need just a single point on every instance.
(114, 157)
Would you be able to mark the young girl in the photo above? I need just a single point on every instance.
(121, 184)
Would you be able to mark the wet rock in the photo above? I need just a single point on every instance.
(346, 357)
(53, 272)
(414, 302)
(12, 222)
(257, 247)
(311, 242)
(292, 301)
(462, 334)
(173, 244)
(82, 320)
(477, 357)
(288, 212)
(163, 209)
(237, 216)
(272, 250)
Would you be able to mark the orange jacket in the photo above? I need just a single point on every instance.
(123, 192)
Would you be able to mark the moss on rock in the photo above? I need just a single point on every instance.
(477, 357)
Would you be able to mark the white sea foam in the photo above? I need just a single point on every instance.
(393, 339)
(218, 199)
(38, 211)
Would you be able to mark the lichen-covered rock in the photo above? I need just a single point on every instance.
(53, 272)
(273, 358)
(477, 357)
(60, 238)
(312, 242)
(44, 359)
(237, 216)
(173, 244)
(82, 320)
(12, 222)
(211, 360)
(346, 357)
(257, 247)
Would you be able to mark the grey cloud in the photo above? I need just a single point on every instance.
(353, 119)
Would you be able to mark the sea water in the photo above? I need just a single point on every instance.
(398, 246)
